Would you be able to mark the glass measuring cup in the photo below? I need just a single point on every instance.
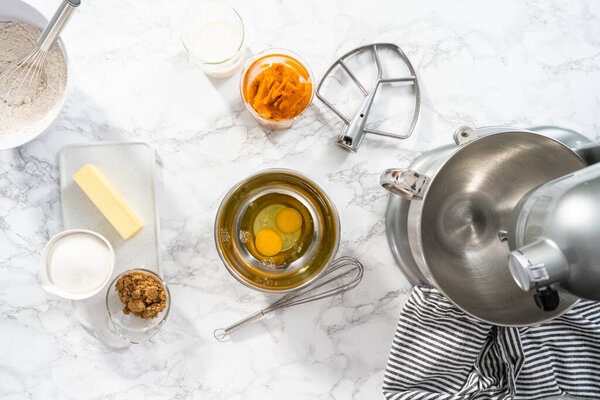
(213, 36)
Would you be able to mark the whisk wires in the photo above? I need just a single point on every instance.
(337, 271)
(20, 81)
(340, 276)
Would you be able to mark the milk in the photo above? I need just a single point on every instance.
(213, 35)
(216, 42)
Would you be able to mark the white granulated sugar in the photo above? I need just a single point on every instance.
(79, 263)
(16, 40)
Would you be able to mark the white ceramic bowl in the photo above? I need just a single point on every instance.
(47, 283)
(17, 10)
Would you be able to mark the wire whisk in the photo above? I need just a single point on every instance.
(21, 79)
(342, 275)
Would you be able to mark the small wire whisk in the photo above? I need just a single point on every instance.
(342, 275)
(21, 79)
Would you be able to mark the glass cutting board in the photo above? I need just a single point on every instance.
(130, 166)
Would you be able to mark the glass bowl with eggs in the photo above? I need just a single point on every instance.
(276, 231)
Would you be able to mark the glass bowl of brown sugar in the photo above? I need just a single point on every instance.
(138, 303)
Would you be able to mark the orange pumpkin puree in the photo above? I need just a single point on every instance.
(278, 93)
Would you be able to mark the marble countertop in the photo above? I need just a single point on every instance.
(480, 63)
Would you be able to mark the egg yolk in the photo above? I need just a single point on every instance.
(288, 220)
(268, 242)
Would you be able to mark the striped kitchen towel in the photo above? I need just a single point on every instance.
(439, 352)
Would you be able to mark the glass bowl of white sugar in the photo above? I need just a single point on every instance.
(76, 264)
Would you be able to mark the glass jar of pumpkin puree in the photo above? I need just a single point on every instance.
(277, 86)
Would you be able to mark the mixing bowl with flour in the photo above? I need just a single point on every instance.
(20, 24)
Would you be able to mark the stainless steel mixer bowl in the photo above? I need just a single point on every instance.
(466, 200)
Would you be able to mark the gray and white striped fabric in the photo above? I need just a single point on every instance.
(439, 352)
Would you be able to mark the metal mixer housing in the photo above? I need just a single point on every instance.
(555, 237)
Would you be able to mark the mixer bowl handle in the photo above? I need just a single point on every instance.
(413, 185)
(405, 182)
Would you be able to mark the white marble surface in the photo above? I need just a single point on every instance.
(480, 63)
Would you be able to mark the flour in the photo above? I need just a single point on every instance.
(16, 40)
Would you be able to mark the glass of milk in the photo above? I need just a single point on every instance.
(213, 36)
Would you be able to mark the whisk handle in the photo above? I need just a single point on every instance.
(57, 23)
(222, 334)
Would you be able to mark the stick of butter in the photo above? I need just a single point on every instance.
(109, 201)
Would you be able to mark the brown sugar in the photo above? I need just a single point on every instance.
(142, 294)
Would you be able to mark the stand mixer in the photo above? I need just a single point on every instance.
(460, 211)
(555, 239)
